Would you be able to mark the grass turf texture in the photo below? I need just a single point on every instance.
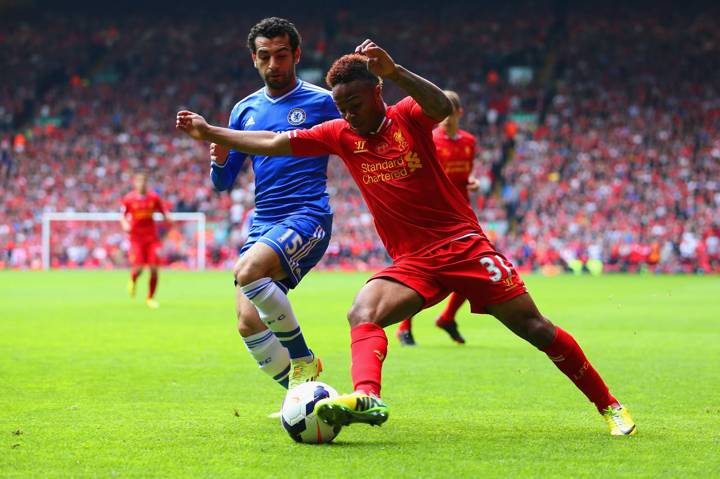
(93, 384)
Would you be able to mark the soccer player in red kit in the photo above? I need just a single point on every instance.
(456, 150)
(137, 220)
(430, 232)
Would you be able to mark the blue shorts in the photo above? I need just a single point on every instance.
(300, 241)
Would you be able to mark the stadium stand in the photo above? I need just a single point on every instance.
(607, 154)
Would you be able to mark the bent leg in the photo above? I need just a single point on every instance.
(522, 317)
(256, 272)
(379, 303)
(271, 357)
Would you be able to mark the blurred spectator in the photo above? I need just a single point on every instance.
(605, 154)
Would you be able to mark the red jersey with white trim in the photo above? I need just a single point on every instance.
(456, 156)
(140, 208)
(414, 204)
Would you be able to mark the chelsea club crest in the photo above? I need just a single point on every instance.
(296, 116)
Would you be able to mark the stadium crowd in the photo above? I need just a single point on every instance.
(606, 154)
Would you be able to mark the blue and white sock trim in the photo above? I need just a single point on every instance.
(259, 342)
(251, 290)
(287, 336)
(283, 375)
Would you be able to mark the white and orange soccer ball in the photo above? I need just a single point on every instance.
(298, 413)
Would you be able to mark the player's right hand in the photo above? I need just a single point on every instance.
(380, 63)
(192, 124)
(218, 153)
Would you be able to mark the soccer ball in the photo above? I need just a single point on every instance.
(298, 415)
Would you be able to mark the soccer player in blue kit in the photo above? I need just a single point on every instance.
(293, 220)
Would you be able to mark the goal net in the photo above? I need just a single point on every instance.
(96, 240)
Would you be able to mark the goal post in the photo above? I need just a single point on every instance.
(49, 217)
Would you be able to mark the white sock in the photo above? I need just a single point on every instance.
(276, 312)
(270, 355)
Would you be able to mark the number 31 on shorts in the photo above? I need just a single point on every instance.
(495, 266)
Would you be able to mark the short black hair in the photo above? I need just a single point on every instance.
(273, 27)
(349, 68)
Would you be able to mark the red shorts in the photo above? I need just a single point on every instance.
(468, 266)
(143, 253)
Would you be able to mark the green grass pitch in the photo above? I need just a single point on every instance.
(93, 384)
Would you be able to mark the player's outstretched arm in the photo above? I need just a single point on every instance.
(264, 143)
(431, 98)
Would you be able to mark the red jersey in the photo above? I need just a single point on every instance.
(140, 209)
(456, 156)
(414, 204)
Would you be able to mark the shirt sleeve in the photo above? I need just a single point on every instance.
(411, 109)
(223, 176)
(319, 140)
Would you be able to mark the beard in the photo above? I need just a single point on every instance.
(277, 83)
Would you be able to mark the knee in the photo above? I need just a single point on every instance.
(360, 313)
(246, 272)
(540, 332)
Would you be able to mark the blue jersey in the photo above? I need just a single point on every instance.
(283, 185)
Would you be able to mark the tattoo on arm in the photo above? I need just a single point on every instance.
(433, 101)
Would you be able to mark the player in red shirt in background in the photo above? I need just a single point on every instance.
(456, 150)
(429, 231)
(137, 220)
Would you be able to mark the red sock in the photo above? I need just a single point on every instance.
(405, 324)
(448, 314)
(153, 284)
(368, 345)
(134, 275)
(569, 358)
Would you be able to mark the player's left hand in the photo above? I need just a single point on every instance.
(473, 184)
(379, 62)
(218, 153)
(192, 124)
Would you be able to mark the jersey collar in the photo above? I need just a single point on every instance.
(281, 98)
(387, 121)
